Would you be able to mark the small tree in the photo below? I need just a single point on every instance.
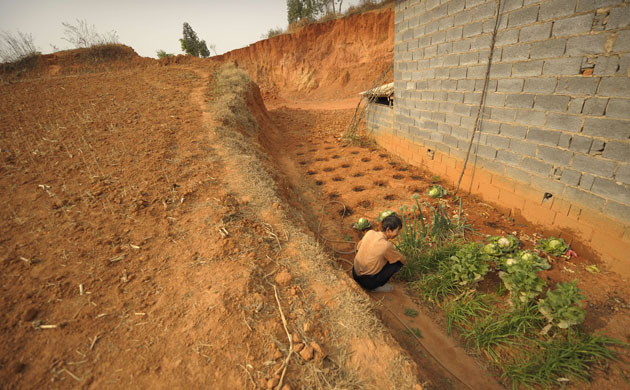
(16, 47)
(192, 45)
(161, 54)
(304, 9)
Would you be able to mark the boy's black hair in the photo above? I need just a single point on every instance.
(391, 222)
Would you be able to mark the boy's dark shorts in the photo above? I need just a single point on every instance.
(371, 282)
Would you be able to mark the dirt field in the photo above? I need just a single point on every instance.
(164, 229)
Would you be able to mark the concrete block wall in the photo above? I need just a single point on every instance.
(379, 118)
(556, 118)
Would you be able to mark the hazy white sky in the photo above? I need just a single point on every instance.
(145, 25)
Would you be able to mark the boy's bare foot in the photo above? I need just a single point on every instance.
(384, 288)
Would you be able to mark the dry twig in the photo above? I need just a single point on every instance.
(286, 329)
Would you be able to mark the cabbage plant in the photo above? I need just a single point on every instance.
(521, 280)
(469, 264)
(563, 307)
(362, 224)
(384, 215)
(436, 191)
(553, 246)
(498, 245)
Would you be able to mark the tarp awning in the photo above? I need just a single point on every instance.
(385, 90)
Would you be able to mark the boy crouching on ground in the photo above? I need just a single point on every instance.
(377, 259)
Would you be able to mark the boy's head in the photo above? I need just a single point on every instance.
(391, 225)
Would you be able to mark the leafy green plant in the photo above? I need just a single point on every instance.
(553, 246)
(384, 214)
(521, 280)
(409, 312)
(162, 54)
(438, 285)
(442, 226)
(436, 192)
(570, 357)
(412, 237)
(536, 261)
(498, 245)
(464, 309)
(562, 307)
(426, 261)
(469, 265)
(192, 45)
(362, 224)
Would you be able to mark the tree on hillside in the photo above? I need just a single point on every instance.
(192, 45)
(304, 9)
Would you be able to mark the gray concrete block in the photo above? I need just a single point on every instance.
(508, 158)
(578, 85)
(513, 131)
(586, 44)
(540, 85)
(570, 177)
(472, 98)
(515, 53)
(484, 11)
(445, 48)
(497, 141)
(580, 144)
(563, 66)
(594, 165)
(575, 105)
(607, 66)
(486, 151)
(584, 198)
(507, 37)
(476, 71)
(472, 29)
(623, 41)
(492, 165)
(520, 101)
(614, 86)
(595, 106)
(461, 46)
(547, 185)
(573, 25)
(500, 70)
(496, 99)
(458, 74)
(572, 123)
(536, 166)
(469, 58)
(597, 147)
(523, 16)
(610, 189)
(511, 5)
(455, 6)
(617, 150)
(438, 37)
(523, 147)
(503, 114)
(623, 173)
(551, 102)
(556, 8)
(481, 42)
(517, 174)
(465, 85)
(547, 137)
(618, 108)
(617, 210)
(489, 127)
(463, 18)
(510, 85)
(531, 118)
(550, 48)
(527, 68)
(554, 155)
(619, 18)
(606, 128)
(537, 32)
(588, 5)
(586, 181)
(454, 33)
(451, 60)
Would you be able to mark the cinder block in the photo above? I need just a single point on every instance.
(520, 101)
(614, 86)
(573, 25)
(469, 58)
(537, 32)
(554, 155)
(556, 8)
(548, 137)
(623, 173)
(531, 118)
(472, 29)
(611, 190)
(502, 114)
(527, 68)
(510, 85)
(580, 144)
(564, 141)
(618, 151)
(550, 48)
(570, 177)
(588, 5)
(484, 11)
(595, 106)
(540, 85)
(586, 44)
(563, 66)
(564, 122)
(575, 105)
(594, 165)
(618, 108)
(623, 41)
(508, 157)
(522, 147)
(523, 16)
(551, 102)
(507, 37)
(584, 198)
(515, 53)
(578, 86)
(536, 166)
(607, 66)
(607, 128)
(619, 18)
(546, 184)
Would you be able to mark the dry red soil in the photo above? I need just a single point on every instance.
(131, 260)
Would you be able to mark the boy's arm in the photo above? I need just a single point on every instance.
(392, 255)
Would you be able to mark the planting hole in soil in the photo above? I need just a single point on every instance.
(357, 174)
(398, 177)
(299, 154)
(312, 150)
(344, 212)
(379, 183)
(311, 172)
(390, 197)
(337, 178)
(416, 177)
(345, 165)
(334, 195)
(383, 155)
(321, 159)
(328, 169)
(377, 168)
(365, 159)
(328, 147)
(402, 169)
(358, 189)
(366, 204)
(336, 156)
(354, 152)
(319, 182)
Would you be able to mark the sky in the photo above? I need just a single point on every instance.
(148, 26)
